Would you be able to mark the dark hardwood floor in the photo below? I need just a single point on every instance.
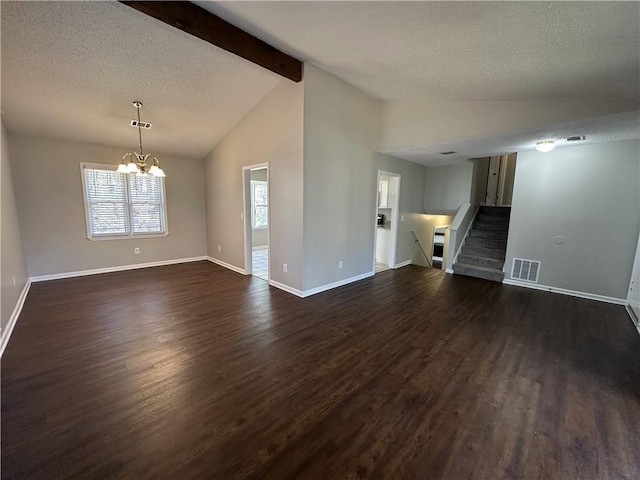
(195, 372)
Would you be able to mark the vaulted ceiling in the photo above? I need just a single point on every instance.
(70, 70)
(458, 50)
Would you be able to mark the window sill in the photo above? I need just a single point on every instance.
(260, 228)
(137, 236)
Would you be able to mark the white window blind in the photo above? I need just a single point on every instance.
(259, 204)
(147, 204)
(106, 194)
(120, 204)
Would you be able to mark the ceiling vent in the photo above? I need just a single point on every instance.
(136, 123)
(576, 138)
(451, 152)
(526, 270)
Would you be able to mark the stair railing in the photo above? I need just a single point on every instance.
(417, 240)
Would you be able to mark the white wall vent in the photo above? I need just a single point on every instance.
(527, 270)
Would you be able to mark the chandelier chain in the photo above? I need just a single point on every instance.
(139, 131)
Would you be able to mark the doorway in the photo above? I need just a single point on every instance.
(386, 225)
(633, 299)
(256, 218)
(500, 177)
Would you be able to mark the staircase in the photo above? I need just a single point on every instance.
(482, 254)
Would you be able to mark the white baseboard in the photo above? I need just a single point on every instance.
(320, 289)
(449, 270)
(120, 268)
(564, 291)
(634, 318)
(339, 283)
(403, 264)
(227, 265)
(287, 288)
(14, 317)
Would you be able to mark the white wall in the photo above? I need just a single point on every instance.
(339, 186)
(259, 237)
(49, 196)
(271, 133)
(425, 122)
(447, 187)
(590, 195)
(12, 261)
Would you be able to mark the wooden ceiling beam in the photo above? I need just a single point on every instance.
(200, 23)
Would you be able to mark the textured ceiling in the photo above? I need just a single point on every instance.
(458, 50)
(608, 128)
(70, 70)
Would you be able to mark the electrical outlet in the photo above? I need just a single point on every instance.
(241, 215)
(340, 264)
(219, 248)
(13, 280)
(284, 267)
(136, 251)
(402, 218)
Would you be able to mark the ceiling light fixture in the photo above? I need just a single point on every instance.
(545, 145)
(134, 162)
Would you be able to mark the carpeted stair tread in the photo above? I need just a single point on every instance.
(492, 218)
(488, 234)
(483, 252)
(495, 211)
(499, 227)
(485, 273)
(477, 260)
(486, 242)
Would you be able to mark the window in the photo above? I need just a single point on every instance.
(122, 205)
(259, 204)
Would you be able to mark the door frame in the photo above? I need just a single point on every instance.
(634, 286)
(395, 215)
(246, 216)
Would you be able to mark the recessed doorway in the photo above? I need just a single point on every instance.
(256, 220)
(386, 225)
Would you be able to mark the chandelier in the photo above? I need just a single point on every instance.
(139, 163)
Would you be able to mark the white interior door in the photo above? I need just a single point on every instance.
(492, 181)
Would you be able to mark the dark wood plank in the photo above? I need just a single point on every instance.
(192, 371)
(200, 23)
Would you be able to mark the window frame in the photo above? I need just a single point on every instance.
(129, 208)
(252, 184)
